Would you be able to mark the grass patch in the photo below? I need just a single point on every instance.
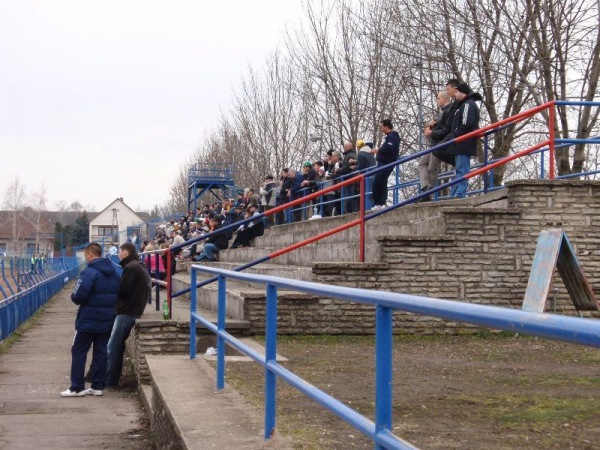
(539, 410)
(7, 343)
(550, 380)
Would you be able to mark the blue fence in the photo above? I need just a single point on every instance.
(568, 329)
(31, 289)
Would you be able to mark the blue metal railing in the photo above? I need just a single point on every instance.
(33, 290)
(568, 329)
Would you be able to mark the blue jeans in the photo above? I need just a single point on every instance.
(81, 344)
(209, 251)
(463, 166)
(116, 347)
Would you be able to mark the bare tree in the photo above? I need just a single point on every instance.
(15, 201)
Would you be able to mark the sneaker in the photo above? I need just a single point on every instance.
(95, 392)
(377, 207)
(70, 393)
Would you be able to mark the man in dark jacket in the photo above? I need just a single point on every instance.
(347, 167)
(134, 292)
(214, 243)
(245, 233)
(96, 294)
(387, 153)
(464, 121)
(436, 131)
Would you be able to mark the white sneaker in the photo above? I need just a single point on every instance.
(95, 392)
(377, 207)
(70, 393)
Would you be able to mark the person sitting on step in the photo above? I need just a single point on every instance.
(214, 243)
(249, 230)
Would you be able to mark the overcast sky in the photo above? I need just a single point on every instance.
(105, 99)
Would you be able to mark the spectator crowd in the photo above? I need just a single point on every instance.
(458, 115)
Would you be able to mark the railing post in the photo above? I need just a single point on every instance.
(368, 188)
(222, 296)
(361, 209)
(395, 195)
(551, 137)
(157, 286)
(486, 177)
(542, 162)
(383, 370)
(270, 355)
(169, 282)
(193, 308)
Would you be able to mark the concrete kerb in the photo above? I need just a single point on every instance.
(203, 417)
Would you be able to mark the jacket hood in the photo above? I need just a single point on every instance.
(103, 265)
(475, 96)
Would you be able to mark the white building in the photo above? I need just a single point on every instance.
(117, 223)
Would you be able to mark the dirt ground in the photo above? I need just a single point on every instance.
(470, 392)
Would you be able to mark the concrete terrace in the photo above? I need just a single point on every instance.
(35, 369)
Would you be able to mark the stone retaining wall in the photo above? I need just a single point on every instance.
(156, 338)
(166, 433)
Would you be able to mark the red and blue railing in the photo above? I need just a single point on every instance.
(362, 178)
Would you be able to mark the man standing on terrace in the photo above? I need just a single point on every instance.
(436, 131)
(134, 291)
(387, 153)
(96, 294)
(464, 121)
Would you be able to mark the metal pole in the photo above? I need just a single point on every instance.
(551, 119)
(383, 370)
(222, 296)
(420, 63)
(193, 303)
(270, 356)
(362, 204)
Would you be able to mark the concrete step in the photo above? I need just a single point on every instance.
(237, 293)
(303, 273)
(318, 252)
(427, 226)
(405, 215)
(191, 414)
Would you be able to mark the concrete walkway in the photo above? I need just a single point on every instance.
(35, 370)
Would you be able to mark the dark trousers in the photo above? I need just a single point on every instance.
(380, 186)
(81, 345)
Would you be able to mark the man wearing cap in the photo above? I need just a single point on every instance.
(436, 131)
(464, 121)
(386, 154)
(364, 158)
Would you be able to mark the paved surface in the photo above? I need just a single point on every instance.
(207, 418)
(35, 370)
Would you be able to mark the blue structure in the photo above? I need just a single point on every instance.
(214, 178)
(551, 326)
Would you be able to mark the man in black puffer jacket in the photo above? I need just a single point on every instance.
(96, 293)
(134, 293)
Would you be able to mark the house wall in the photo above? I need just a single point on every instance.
(125, 218)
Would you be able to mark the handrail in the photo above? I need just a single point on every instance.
(17, 308)
(563, 328)
(361, 179)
